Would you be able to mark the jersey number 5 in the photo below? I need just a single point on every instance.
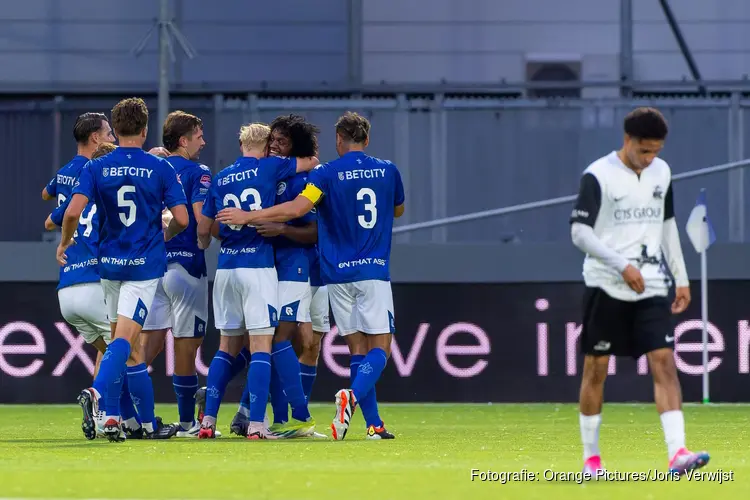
(237, 202)
(370, 207)
(127, 204)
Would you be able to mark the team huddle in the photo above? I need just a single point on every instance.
(297, 237)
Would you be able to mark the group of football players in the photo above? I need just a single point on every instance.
(297, 237)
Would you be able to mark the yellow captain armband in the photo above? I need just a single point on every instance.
(312, 193)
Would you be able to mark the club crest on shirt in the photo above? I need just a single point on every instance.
(105, 172)
(341, 176)
(280, 188)
(658, 193)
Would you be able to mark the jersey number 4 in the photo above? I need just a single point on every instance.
(237, 202)
(85, 220)
(368, 220)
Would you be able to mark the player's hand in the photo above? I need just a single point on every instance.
(270, 229)
(159, 151)
(62, 257)
(166, 218)
(235, 216)
(634, 279)
(681, 299)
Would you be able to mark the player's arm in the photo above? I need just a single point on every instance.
(49, 225)
(284, 212)
(399, 198)
(205, 231)
(50, 190)
(306, 234)
(178, 223)
(582, 222)
(215, 230)
(671, 242)
(307, 164)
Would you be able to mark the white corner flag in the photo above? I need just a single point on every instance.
(702, 236)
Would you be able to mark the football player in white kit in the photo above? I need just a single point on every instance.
(181, 300)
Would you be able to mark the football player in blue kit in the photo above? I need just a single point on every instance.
(291, 136)
(245, 290)
(181, 300)
(357, 198)
(129, 187)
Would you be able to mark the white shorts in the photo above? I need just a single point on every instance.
(319, 309)
(131, 299)
(363, 306)
(82, 306)
(294, 299)
(246, 299)
(180, 303)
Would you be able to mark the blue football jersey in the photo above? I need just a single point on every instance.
(292, 262)
(249, 184)
(129, 187)
(61, 185)
(313, 258)
(82, 257)
(355, 217)
(183, 248)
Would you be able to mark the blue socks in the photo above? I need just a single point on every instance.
(127, 410)
(279, 403)
(308, 374)
(185, 387)
(368, 402)
(258, 380)
(245, 402)
(109, 380)
(142, 392)
(286, 364)
(219, 375)
(241, 362)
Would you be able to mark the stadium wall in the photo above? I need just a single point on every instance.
(62, 44)
(456, 156)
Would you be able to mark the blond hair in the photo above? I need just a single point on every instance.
(103, 149)
(254, 135)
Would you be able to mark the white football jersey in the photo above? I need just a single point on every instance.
(627, 213)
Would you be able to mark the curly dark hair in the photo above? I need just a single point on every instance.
(646, 123)
(301, 133)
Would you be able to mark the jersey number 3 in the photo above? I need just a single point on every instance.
(255, 204)
(368, 196)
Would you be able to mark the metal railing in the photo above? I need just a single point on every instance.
(562, 200)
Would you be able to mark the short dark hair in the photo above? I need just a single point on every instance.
(646, 123)
(301, 133)
(130, 117)
(103, 149)
(353, 127)
(87, 124)
(178, 124)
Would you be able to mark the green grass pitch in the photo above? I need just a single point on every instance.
(43, 455)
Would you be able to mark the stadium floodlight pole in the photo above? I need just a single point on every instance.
(167, 30)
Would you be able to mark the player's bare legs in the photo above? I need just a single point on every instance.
(152, 344)
(668, 398)
(590, 402)
(101, 348)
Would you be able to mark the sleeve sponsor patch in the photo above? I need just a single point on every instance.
(206, 180)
